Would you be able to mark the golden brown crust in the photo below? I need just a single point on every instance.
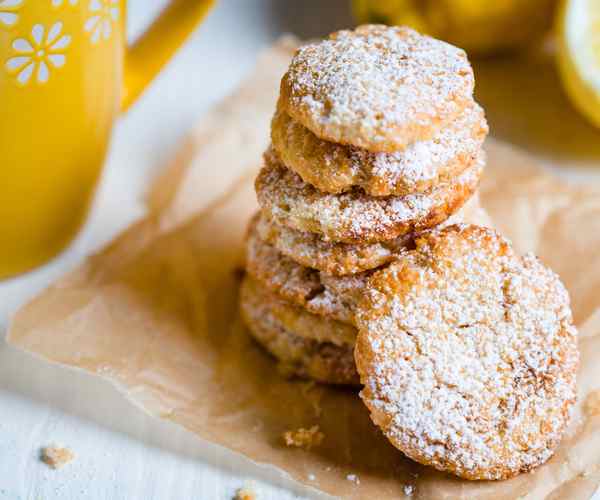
(304, 357)
(468, 354)
(341, 259)
(328, 296)
(379, 88)
(297, 319)
(354, 217)
(335, 168)
(336, 259)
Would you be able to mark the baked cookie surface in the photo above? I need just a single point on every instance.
(322, 294)
(299, 355)
(468, 354)
(355, 217)
(377, 87)
(337, 259)
(299, 320)
(335, 168)
(340, 259)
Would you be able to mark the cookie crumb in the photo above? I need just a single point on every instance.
(56, 456)
(245, 493)
(353, 477)
(409, 489)
(304, 438)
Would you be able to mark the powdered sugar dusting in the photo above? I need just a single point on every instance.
(304, 357)
(423, 160)
(340, 259)
(299, 320)
(318, 293)
(330, 257)
(336, 168)
(354, 216)
(468, 354)
(374, 85)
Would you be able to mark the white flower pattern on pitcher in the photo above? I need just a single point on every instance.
(58, 3)
(40, 54)
(104, 13)
(9, 12)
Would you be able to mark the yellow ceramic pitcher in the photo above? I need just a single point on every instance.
(65, 73)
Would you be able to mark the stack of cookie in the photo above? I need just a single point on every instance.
(356, 272)
(376, 137)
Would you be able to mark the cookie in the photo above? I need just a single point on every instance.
(468, 354)
(337, 259)
(335, 168)
(340, 259)
(298, 319)
(355, 217)
(378, 88)
(304, 357)
(317, 292)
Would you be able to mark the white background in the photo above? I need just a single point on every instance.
(122, 453)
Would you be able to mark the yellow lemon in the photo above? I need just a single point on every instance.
(478, 26)
(578, 54)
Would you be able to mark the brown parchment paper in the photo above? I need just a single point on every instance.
(156, 313)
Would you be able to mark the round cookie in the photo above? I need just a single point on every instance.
(468, 354)
(299, 320)
(303, 357)
(354, 217)
(337, 259)
(319, 293)
(335, 168)
(340, 259)
(378, 88)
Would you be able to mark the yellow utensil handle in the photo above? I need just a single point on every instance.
(145, 58)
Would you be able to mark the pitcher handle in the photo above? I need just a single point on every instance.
(147, 55)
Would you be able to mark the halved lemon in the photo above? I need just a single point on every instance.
(578, 30)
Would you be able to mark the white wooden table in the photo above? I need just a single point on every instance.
(120, 452)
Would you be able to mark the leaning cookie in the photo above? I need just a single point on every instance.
(379, 88)
(328, 296)
(335, 168)
(468, 355)
(340, 259)
(302, 356)
(355, 217)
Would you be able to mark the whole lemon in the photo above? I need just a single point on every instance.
(479, 26)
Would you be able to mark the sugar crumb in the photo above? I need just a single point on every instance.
(354, 478)
(311, 477)
(56, 456)
(409, 489)
(304, 438)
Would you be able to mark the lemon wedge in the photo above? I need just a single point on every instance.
(578, 30)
